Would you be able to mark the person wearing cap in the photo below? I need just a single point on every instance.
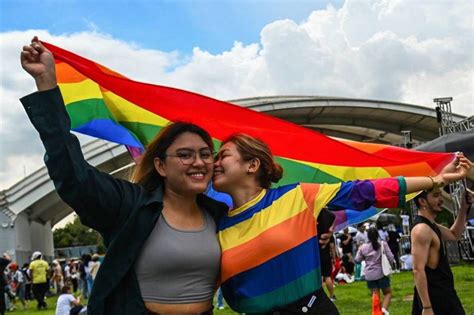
(38, 271)
(19, 281)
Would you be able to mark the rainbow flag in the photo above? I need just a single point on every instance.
(107, 105)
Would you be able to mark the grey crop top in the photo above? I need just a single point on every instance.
(179, 266)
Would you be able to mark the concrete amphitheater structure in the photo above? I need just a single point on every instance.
(30, 208)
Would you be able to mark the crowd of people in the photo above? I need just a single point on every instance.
(373, 243)
(163, 255)
(357, 256)
(341, 259)
(343, 247)
(38, 280)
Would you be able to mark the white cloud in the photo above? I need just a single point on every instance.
(394, 50)
(17, 166)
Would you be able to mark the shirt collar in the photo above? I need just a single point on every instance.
(248, 204)
(155, 196)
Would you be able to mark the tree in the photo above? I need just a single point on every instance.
(76, 234)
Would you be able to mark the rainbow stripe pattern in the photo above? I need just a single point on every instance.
(270, 248)
(107, 105)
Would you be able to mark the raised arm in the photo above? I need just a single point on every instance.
(100, 200)
(390, 192)
(454, 171)
(455, 231)
(361, 195)
(39, 63)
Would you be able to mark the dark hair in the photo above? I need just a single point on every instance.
(373, 236)
(145, 173)
(253, 148)
(379, 225)
(86, 258)
(422, 195)
(65, 289)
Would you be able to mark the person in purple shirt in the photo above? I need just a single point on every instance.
(372, 254)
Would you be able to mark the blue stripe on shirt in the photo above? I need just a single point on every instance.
(270, 197)
(293, 263)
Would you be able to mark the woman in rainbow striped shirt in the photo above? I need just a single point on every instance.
(270, 253)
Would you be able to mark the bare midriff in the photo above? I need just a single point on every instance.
(189, 308)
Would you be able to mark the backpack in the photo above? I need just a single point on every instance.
(26, 275)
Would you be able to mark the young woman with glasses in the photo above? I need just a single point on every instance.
(160, 230)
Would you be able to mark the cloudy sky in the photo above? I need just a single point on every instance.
(406, 51)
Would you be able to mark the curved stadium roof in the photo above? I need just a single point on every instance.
(350, 118)
(355, 119)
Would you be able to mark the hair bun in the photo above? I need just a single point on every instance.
(276, 173)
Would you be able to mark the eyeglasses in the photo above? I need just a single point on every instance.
(188, 157)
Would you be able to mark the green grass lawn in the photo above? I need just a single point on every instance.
(354, 298)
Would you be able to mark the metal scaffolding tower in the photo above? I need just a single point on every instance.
(444, 115)
(407, 139)
(447, 125)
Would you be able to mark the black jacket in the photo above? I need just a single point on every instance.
(124, 213)
(3, 282)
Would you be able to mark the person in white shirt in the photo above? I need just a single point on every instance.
(407, 260)
(405, 224)
(20, 282)
(361, 235)
(382, 233)
(67, 270)
(360, 239)
(66, 302)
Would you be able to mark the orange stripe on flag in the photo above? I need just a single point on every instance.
(103, 89)
(110, 72)
(67, 74)
(309, 193)
(268, 244)
(414, 169)
(366, 147)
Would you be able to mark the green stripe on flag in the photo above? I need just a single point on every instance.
(88, 110)
(285, 295)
